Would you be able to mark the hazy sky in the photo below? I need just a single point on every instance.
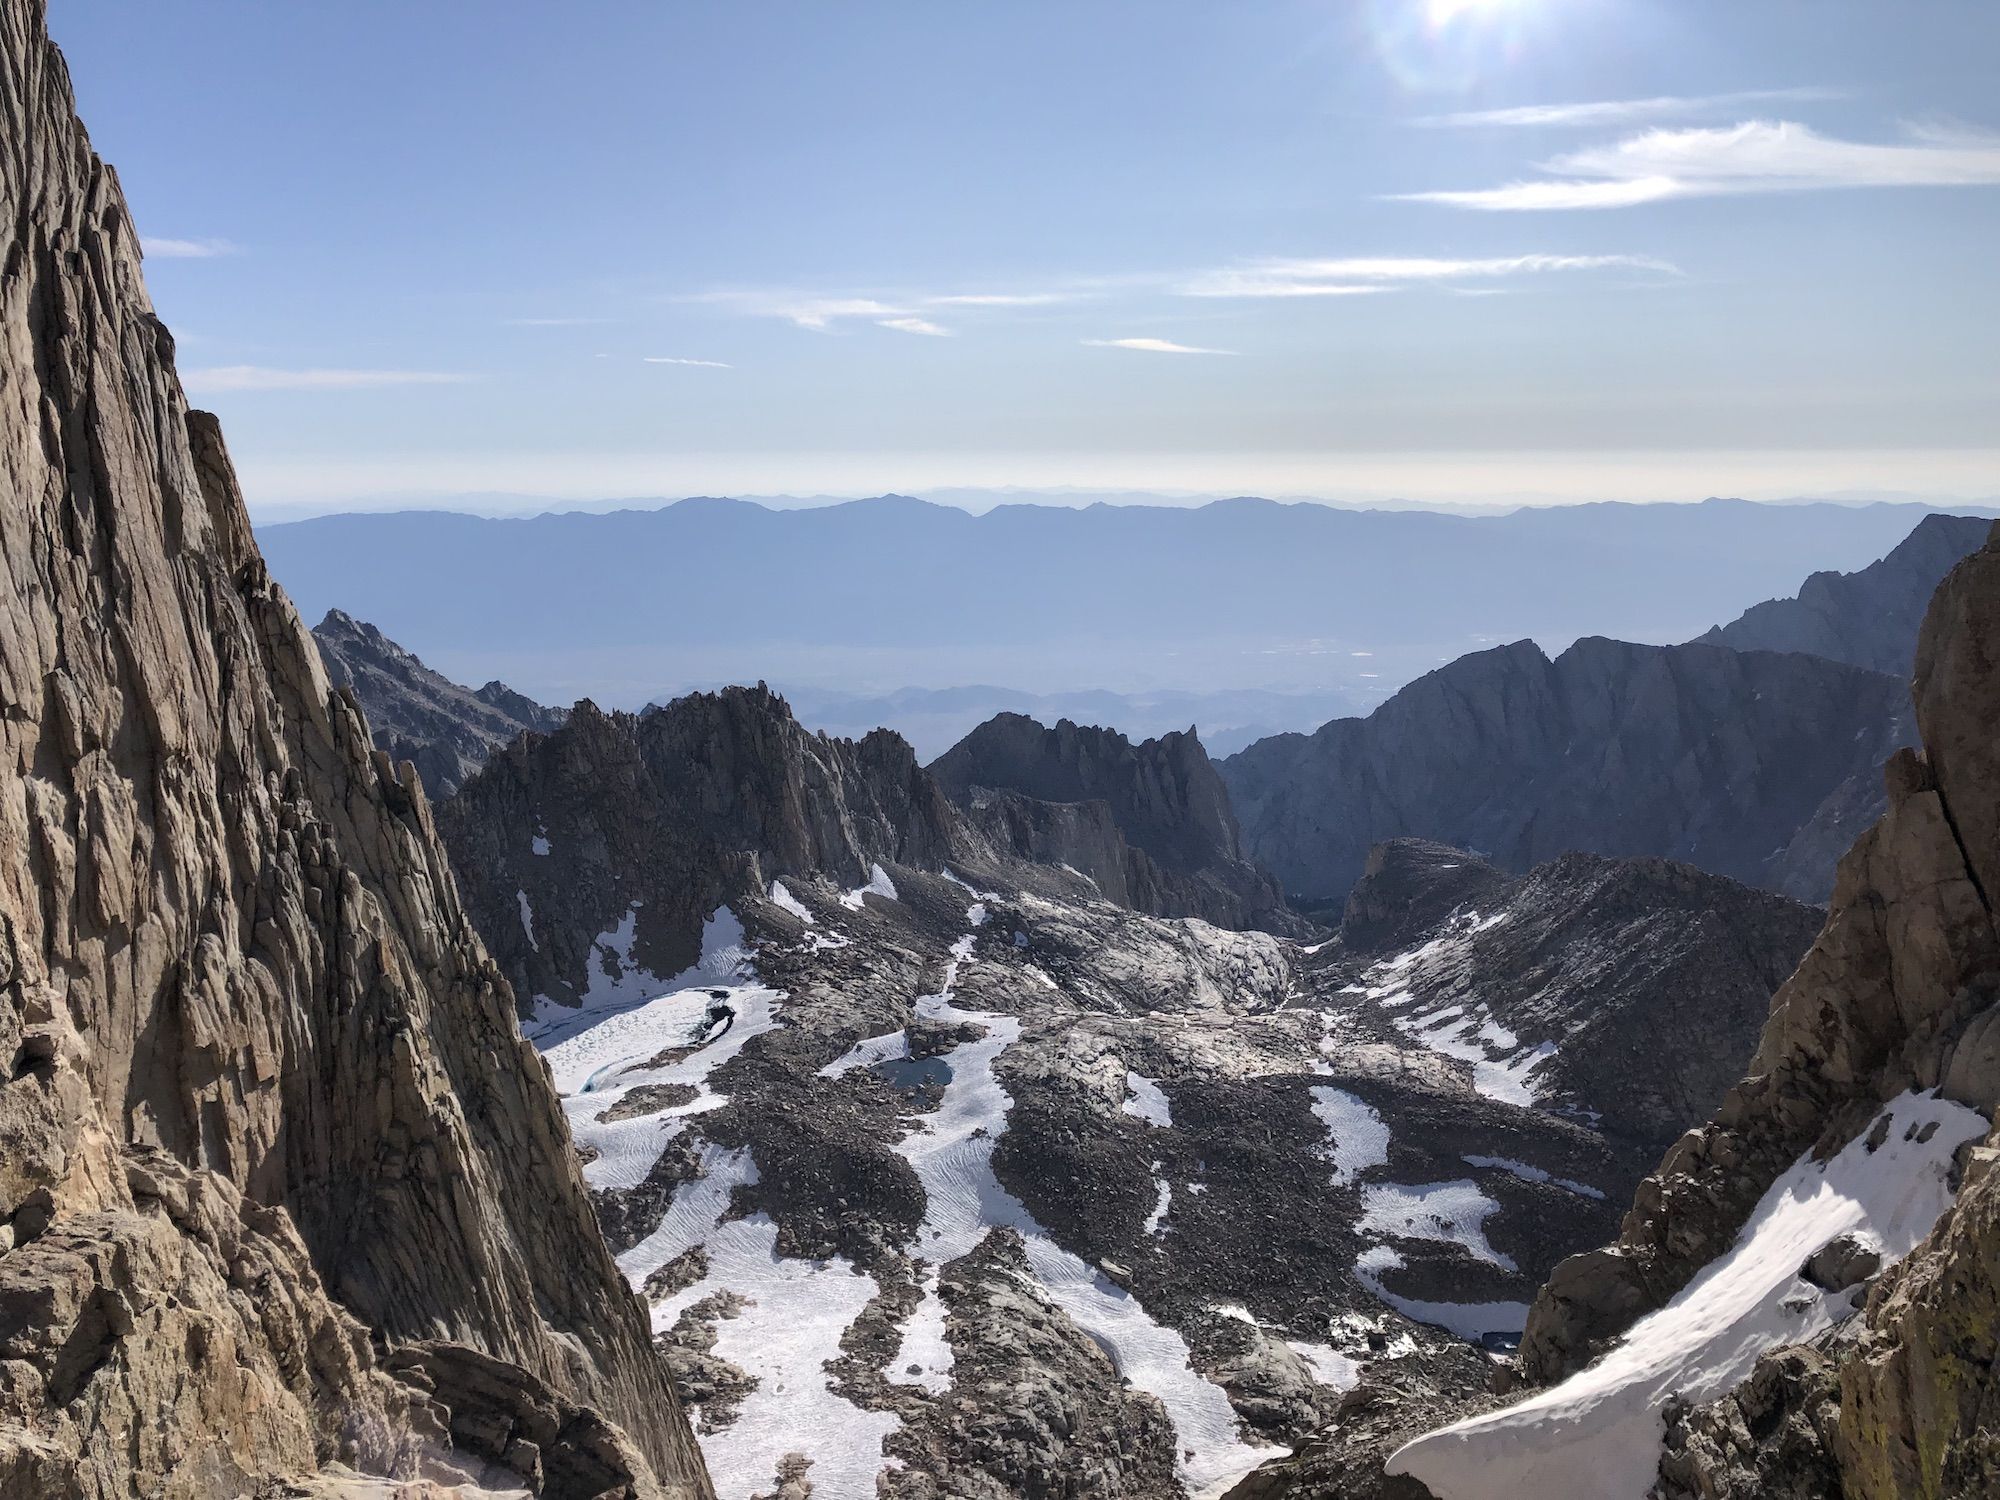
(1612, 248)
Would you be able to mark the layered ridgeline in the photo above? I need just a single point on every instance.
(1721, 758)
(284, 1198)
(1868, 618)
(1150, 823)
(1241, 594)
(1802, 1300)
(943, 1173)
(419, 715)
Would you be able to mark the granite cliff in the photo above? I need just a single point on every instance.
(284, 1197)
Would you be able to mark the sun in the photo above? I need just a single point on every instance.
(1444, 12)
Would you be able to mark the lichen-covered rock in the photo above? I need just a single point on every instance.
(270, 1141)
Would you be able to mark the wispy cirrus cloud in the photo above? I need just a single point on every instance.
(904, 314)
(1757, 156)
(914, 325)
(264, 378)
(1154, 346)
(675, 359)
(160, 248)
(1598, 112)
(1358, 275)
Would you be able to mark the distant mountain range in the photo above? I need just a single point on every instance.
(638, 606)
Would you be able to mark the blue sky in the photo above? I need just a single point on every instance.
(1578, 248)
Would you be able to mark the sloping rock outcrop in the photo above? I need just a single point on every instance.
(284, 1197)
(1150, 823)
(1868, 618)
(419, 715)
(1645, 980)
(1696, 753)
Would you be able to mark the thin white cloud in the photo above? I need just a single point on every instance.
(552, 322)
(998, 299)
(1757, 156)
(914, 325)
(170, 249)
(1596, 112)
(1153, 346)
(263, 378)
(1356, 275)
(672, 359)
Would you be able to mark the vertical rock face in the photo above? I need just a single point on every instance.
(421, 716)
(1901, 991)
(280, 1185)
(1150, 823)
(1719, 758)
(653, 822)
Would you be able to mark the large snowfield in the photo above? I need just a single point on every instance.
(1597, 1435)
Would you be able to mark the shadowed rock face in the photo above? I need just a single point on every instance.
(1901, 991)
(1697, 753)
(1868, 618)
(280, 1185)
(1150, 823)
(421, 716)
(655, 821)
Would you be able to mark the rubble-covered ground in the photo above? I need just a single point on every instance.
(942, 1191)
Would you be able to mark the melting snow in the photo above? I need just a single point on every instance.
(1356, 1137)
(781, 897)
(1599, 1432)
(597, 1068)
(879, 884)
(1147, 1100)
(868, 1052)
(1449, 1212)
(791, 1326)
(952, 1153)
(1328, 1364)
(615, 983)
(1163, 1200)
(528, 921)
(1527, 1173)
(1469, 1320)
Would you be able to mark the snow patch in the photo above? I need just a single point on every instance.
(1329, 1366)
(1356, 1136)
(868, 1052)
(1471, 1321)
(540, 844)
(1599, 1432)
(1527, 1173)
(528, 921)
(786, 901)
(1163, 1200)
(952, 1154)
(879, 884)
(615, 983)
(1448, 1212)
(1146, 1099)
(795, 1312)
